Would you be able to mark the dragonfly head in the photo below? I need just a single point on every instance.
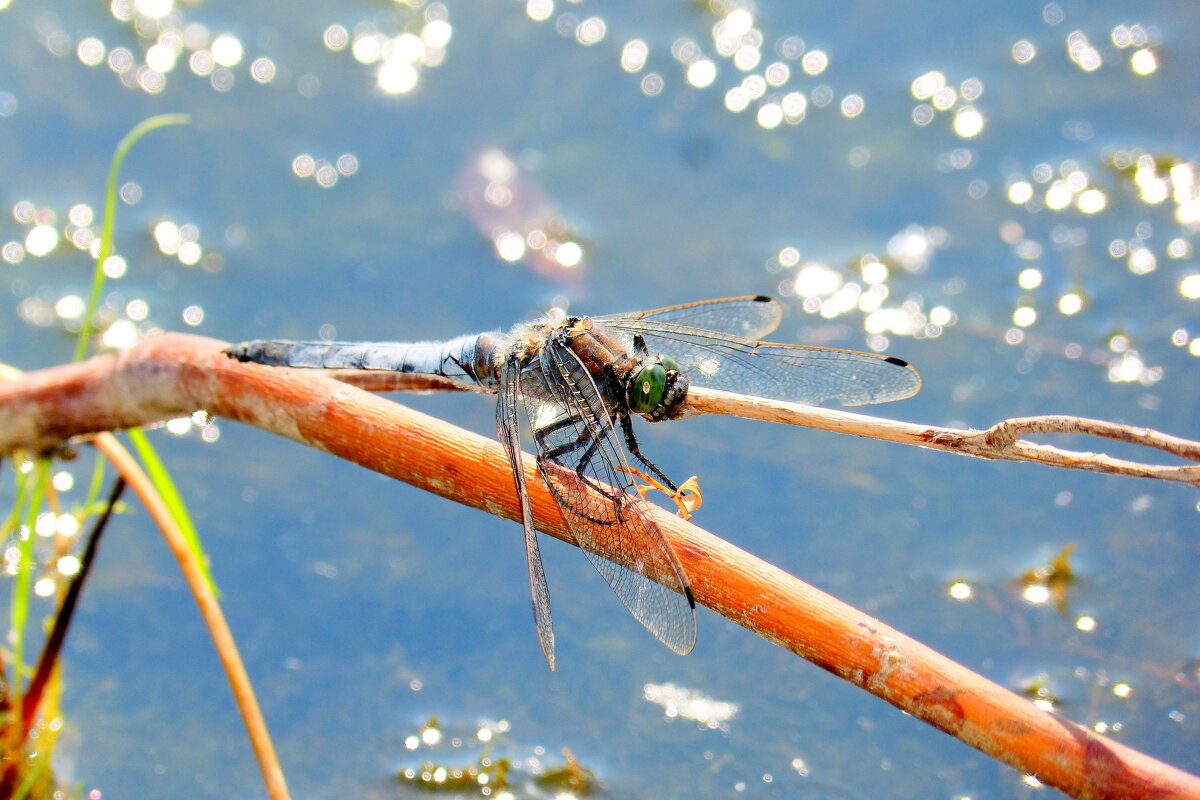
(657, 389)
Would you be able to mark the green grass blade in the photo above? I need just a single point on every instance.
(32, 775)
(110, 216)
(94, 488)
(22, 586)
(166, 488)
(14, 516)
(153, 465)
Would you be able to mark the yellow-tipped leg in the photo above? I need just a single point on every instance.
(687, 497)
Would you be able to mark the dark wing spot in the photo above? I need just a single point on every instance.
(899, 362)
(762, 298)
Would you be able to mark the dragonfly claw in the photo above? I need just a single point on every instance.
(687, 497)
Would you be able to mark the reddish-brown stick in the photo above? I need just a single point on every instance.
(174, 374)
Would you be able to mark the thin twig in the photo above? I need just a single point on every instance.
(210, 610)
(174, 374)
(997, 442)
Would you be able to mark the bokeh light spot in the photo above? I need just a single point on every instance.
(166, 236)
(924, 87)
(769, 115)
(634, 55)
(814, 62)
(1142, 261)
(591, 31)
(227, 50)
(1143, 62)
(336, 37)
(90, 51)
(262, 70)
(568, 254)
(852, 105)
(41, 240)
(1036, 593)
(701, 73)
(539, 10)
(1024, 316)
(1070, 303)
(1020, 192)
(115, 266)
(960, 590)
(193, 315)
(1029, 278)
(777, 74)
(1092, 201)
(437, 33)
(510, 246)
(1023, 51)
(968, 122)
(397, 77)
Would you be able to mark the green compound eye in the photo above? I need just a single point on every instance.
(668, 363)
(648, 388)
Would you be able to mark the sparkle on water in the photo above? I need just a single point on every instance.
(1093, 223)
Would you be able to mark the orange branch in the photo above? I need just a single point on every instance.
(210, 610)
(174, 374)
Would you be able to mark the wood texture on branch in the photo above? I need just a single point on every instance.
(174, 374)
(1000, 442)
(997, 442)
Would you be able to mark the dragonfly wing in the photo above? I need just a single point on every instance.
(508, 427)
(789, 372)
(747, 317)
(585, 468)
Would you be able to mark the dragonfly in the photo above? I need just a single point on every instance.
(577, 382)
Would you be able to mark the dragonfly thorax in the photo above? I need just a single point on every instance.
(634, 378)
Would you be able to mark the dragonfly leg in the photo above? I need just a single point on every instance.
(632, 445)
(540, 435)
(551, 454)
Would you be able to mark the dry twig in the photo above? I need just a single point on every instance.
(210, 610)
(998, 442)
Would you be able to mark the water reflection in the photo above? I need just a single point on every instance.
(508, 206)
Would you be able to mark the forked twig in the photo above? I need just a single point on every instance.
(997, 442)
(174, 374)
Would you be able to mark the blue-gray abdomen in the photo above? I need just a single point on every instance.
(467, 360)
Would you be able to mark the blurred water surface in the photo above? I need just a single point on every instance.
(1003, 194)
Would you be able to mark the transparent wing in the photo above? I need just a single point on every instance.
(747, 317)
(581, 460)
(508, 428)
(789, 372)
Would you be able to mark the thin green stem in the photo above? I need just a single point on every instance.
(161, 479)
(25, 566)
(110, 215)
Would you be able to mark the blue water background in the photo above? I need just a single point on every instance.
(364, 607)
